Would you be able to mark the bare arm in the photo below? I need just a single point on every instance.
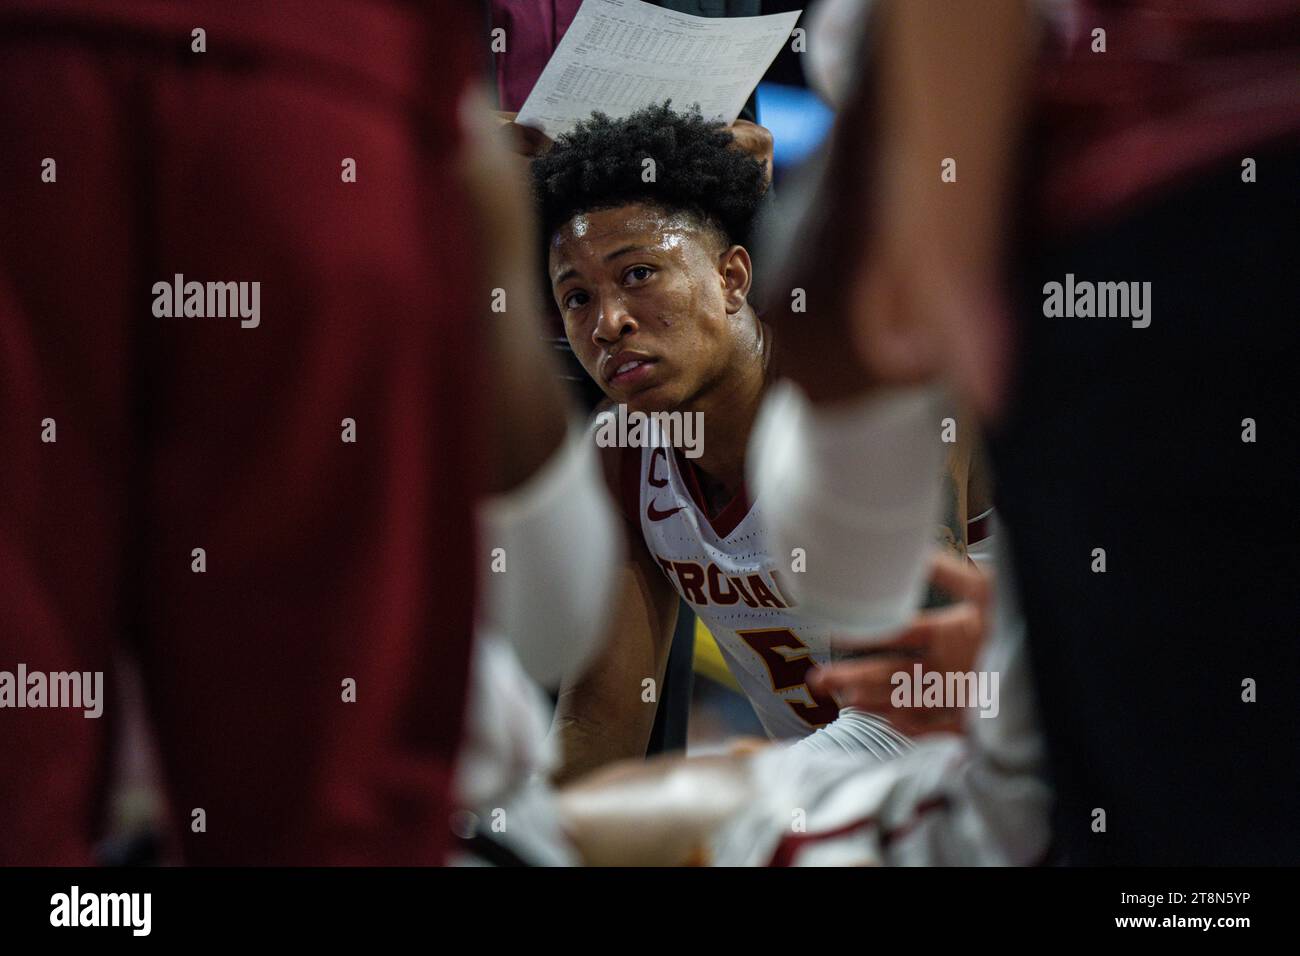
(529, 412)
(944, 82)
(546, 491)
(605, 715)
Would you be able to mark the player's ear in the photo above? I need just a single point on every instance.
(737, 273)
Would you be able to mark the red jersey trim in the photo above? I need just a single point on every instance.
(726, 520)
(979, 528)
(792, 843)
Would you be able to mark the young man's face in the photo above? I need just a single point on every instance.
(651, 302)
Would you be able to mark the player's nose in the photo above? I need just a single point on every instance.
(613, 321)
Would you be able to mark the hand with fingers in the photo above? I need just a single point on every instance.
(526, 141)
(755, 140)
(944, 640)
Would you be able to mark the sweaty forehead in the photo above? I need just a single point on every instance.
(597, 233)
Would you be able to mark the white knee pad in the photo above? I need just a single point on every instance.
(561, 546)
(857, 487)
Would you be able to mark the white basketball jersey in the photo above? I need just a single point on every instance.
(726, 572)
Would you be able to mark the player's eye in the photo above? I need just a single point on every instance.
(638, 274)
(575, 300)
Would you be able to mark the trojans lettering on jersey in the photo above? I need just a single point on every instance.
(724, 569)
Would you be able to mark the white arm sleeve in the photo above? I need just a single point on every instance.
(856, 487)
(549, 587)
(856, 732)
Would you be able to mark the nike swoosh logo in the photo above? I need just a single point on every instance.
(654, 514)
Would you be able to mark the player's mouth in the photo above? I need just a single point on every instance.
(628, 369)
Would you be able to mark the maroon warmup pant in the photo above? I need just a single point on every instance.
(326, 560)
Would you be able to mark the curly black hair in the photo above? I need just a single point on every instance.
(599, 166)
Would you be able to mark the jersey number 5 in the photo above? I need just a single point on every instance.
(789, 670)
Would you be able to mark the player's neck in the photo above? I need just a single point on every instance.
(729, 410)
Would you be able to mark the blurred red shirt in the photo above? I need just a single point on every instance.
(534, 29)
(1182, 85)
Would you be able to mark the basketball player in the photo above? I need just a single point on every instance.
(989, 801)
(974, 800)
(646, 220)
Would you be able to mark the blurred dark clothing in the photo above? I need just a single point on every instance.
(534, 28)
(1182, 85)
(673, 718)
(326, 561)
(1130, 440)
